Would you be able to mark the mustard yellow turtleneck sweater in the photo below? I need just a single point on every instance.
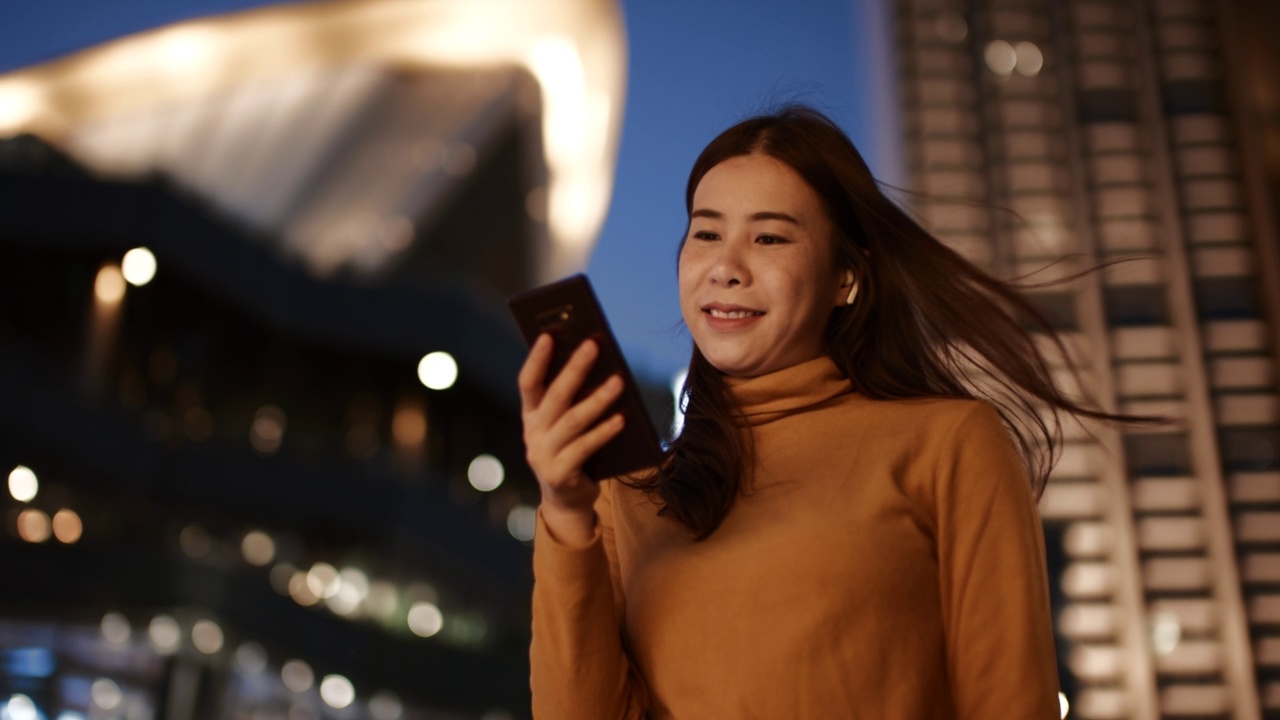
(887, 564)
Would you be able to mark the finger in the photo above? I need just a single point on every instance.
(576, 453)
(562, 389)
(546, 437)
(585, 413)
(533, 373)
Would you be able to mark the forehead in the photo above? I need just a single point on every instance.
(755, 182)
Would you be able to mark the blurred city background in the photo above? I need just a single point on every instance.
(258, 415)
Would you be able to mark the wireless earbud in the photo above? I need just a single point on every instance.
(853, 289)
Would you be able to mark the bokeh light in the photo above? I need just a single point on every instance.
(438, 370)
(115, 628)
(106, 693)
(206, 636)
(23, 484)
(300, 589)
(1030, 61)
(337, 692)
(485, 473)
(258, 548)
(323, 580)
(353, 588)
(19, 707)
(34, 526)
(1000, 57)
(165, 634)
(1063, 706)
(425, 619)
(267, 431)
(521, 522)
(67, 526)
(138, 266)
(109, 285)
(409, 424)
(297, 676)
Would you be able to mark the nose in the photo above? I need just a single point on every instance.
(730, 267)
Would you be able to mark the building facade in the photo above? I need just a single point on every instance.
(1049, 137)
(258, 414)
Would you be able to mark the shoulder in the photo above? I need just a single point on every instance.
(975, 460)
(935, 420)
(950, 428)
(942, 442)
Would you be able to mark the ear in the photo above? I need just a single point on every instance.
(847, 289)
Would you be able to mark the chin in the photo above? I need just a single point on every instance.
(733, 367)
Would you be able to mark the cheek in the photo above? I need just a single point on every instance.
(808, 298)
(796, 285)
(684, 286)
(686, 275)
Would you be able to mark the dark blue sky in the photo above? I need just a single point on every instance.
(695, 67)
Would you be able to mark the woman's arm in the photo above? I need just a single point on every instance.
(579, 669)
(995, 597)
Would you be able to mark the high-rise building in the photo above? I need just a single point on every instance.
(258, 413)
(1123, 136)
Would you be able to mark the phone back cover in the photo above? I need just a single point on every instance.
(569, 311)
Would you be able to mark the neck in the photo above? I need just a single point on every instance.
(784, 392)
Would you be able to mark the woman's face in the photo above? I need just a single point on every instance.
(757, 283)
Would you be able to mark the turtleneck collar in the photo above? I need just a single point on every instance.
(766, 398)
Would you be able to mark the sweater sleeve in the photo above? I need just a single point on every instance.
(579, 668)
(995, 598)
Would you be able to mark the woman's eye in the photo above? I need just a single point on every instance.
(705, 235)
(770, 240)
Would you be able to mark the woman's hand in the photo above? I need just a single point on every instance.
(559, 436)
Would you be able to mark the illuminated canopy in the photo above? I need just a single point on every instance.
(249, 110)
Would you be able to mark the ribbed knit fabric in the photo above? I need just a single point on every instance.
(886, 563)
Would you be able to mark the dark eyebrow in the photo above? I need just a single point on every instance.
(764, 215)
(775, 216)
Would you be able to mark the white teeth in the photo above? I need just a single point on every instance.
(732, 314)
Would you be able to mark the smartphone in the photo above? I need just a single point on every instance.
(569, 312)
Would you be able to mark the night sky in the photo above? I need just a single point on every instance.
(695, 67)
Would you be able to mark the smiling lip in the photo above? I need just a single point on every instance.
(726, 316)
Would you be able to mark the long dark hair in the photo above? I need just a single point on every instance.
(926, 322)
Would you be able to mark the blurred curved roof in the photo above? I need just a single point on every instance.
(337, 128)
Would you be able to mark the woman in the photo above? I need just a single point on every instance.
(843, 528)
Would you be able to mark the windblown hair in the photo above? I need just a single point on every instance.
(926, 323)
